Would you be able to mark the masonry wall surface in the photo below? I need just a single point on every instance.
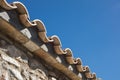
(18, 64)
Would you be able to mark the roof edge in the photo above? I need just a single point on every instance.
(24, 18)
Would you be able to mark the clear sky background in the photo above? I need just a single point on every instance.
(91, 28)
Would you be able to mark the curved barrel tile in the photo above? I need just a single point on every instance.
(69, 57)
(57, 45)
(90, 75)
(44, 38)
(23, 15)
(5, 5)
(21, 9)
(24, 20)
(94, 76)
(79, 61)
(40, 25)
(42, 31)
(56, 40)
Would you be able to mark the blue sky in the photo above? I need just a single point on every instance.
(91, 28)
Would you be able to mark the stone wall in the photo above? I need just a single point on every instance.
(17, 63)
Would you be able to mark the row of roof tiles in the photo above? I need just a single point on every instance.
(24, 18)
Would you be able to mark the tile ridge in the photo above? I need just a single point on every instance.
(24, 18)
